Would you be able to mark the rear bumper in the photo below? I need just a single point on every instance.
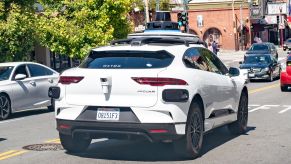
(152, 132)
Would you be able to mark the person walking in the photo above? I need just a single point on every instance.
(214, 47)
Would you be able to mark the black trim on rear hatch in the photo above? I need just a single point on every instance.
(127, 59)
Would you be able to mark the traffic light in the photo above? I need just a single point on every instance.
(179, 16)
(278, 19)
(184, 18)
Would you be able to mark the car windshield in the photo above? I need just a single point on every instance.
(5, 72)
(259, 47)
(257, 59)
(289, 41)
(127, 59)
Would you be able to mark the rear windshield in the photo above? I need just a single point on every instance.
(259, 47)
(127, 59)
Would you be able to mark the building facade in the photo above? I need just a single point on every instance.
(225, 21)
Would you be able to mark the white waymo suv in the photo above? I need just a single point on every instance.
(158, 89)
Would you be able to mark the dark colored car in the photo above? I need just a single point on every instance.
(285, 78)
(287, 44)
(261, 66)
(263, 48)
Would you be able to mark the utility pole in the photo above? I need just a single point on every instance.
(147, 11)
(281, 26)
(241, 28)
(234, 25)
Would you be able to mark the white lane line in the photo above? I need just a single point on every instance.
(263, 107)
(250, 106)
(285, 110)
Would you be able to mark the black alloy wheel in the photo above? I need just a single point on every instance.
(190, 145)
(5, 107)
(240, 125)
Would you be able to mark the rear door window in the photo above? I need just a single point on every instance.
(37, 70)
(127, 60)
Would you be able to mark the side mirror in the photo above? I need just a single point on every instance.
(233, 71)
(20, 77)
(240, 62)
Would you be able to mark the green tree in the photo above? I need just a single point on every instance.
(17, 36)
(73, 27)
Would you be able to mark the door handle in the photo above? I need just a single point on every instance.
(50, 80)
(32, 83)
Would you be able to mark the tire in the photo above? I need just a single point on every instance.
(284, 49)
(5, 107)
(271, 78)
(74, 145)
(190, 145)
(284, 88)
(240, 125)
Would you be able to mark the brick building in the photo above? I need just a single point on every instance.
(218, 20)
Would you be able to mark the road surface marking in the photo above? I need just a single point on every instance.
(250, 106)
(285, 110)
(264, 88)
(263, 107)
(11, 153)
(53, 141)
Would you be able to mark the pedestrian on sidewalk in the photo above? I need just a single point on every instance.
(214, 47)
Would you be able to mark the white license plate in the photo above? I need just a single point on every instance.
(251, 75)
(108, 114)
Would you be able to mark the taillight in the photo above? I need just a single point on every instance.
(70, 79)
(159, 81)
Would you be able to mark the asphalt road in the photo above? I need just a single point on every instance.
(267, 140)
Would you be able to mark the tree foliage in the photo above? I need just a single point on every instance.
(64, 26)
(17, 34)
(73, 27)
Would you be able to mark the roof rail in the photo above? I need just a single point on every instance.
(149, 40)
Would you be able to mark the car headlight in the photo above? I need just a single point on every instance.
(266, 69)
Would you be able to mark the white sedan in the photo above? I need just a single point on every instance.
(24, 85)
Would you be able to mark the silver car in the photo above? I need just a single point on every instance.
(24, 85)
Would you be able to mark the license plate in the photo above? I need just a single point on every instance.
(108, 114)
(251, 75)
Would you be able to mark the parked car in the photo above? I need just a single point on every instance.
(285, 78)
(158, 89)
(263, 48)
(24, 85)
(287, 44)
(261, 66)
